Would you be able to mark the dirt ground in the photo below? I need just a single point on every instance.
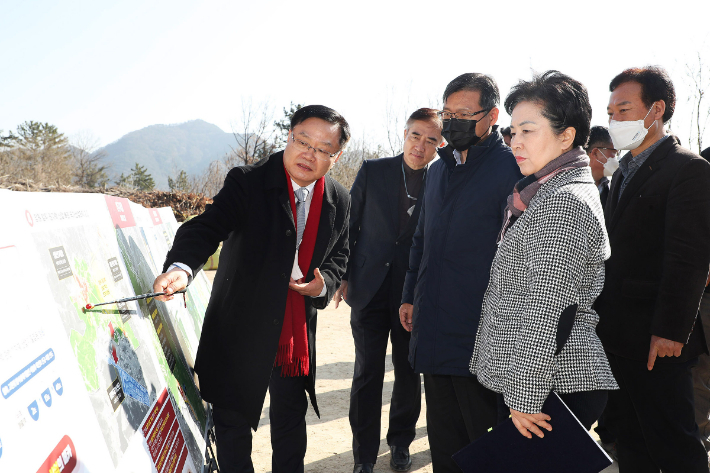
(330, 438)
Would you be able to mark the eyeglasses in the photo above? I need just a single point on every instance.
(319, 153)
(444, 115)
(615, 151)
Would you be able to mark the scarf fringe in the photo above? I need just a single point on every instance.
(284, 354)
(299, 366)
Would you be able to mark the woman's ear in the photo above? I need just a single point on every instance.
(568, 137)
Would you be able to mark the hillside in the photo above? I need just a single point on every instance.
(166, 149)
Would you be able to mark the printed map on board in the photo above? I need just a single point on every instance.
(44, 408)
(142, 272)
(113, 349)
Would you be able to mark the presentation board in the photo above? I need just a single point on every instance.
(76, 384)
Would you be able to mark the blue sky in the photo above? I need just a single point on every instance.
(113, 67)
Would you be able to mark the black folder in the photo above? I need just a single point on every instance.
(568, 448)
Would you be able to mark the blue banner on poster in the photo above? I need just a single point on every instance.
(131, 387)
(21, 378)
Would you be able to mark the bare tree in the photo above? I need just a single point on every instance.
(89, 169)
(349, 164)
(210, 181)
(698, 78)
(255, 137)
(254, 134)
(395, 120)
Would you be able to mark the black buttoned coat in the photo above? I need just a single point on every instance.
(376, 244)
(245, 314)
(659, 231)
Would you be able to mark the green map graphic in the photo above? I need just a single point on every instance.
(94, 320)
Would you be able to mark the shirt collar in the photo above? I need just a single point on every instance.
(628, 160)
(457, 157)
(309, 187)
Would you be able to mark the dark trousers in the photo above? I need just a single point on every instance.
(652, 418)
(371, 327)
(701, 377)
(602, 431)
(458, 411)
(287, 417)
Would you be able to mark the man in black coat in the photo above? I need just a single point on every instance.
(260, 324)
(450, 262)
(385, 203)
(658, 219)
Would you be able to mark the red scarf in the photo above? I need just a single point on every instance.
(293, 343)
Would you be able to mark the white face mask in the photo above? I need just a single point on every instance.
(629, 134)
(611, 165)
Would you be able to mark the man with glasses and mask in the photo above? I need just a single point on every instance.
(450, 261)
(285, 223)
(658, 219)
(385, 203)
(602, 159)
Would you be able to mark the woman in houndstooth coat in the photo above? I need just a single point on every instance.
(538, 330)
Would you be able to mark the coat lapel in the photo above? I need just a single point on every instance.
(391, 184)
(276, 179)
(325, 227)
(652, 164)
(613, 197)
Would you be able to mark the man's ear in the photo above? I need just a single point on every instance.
(659, 108)
(493, 114)
(338, 156)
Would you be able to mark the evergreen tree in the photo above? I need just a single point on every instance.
(282, 126)
(180, 183)
(141, 179)
(124, 181)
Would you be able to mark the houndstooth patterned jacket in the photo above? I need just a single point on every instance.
(551, 259)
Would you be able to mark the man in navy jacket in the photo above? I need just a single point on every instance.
(449, 264)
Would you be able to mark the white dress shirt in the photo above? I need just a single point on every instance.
(295, 271)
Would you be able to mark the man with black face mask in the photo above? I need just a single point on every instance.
(449, 263)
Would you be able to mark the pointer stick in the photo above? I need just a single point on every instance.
(142, 296)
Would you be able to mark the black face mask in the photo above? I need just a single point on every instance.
(461, 134)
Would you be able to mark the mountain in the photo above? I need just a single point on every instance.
(165, 150)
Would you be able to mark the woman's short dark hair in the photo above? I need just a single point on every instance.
(655, 83)
(324, 113)
(481, 83)
(564, 101)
